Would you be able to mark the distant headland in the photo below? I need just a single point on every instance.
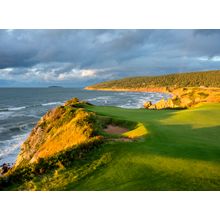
(54, 87)
(188, 89)
(162, 82)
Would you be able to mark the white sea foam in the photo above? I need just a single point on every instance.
(5, 115)
(16, 108)
(128, 99)
(33, 116)
(9, 148)
(52, 103)
(100, 99)
(137, 99)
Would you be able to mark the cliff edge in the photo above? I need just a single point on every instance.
(59, 129)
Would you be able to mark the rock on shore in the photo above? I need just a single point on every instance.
(186, 97)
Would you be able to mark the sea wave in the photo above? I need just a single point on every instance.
(5, 115)
(52, 103)
(17, 128)
(101, 100)
(16, 108)
(138, 100)
(3, 130)
(33, 116)
(12, 109)
(3, 109)
(9, 148)
(8, 109)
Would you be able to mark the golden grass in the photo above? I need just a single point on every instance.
(139, 131)
(70, 134)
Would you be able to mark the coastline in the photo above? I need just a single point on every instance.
(182, 97)
(156, 89)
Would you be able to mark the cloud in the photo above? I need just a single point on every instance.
(214, 59)
(88, 73)
(76, 73)
(63, 73)
(79, 57)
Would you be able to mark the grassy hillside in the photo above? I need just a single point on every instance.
(59, 129)
(175, 150)
(194, 79)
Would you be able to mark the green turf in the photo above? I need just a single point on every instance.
(180, 150)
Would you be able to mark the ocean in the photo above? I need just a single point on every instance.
(21, 108)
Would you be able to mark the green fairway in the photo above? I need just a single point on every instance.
(179, 150)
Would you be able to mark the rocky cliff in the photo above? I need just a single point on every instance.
(59, 129)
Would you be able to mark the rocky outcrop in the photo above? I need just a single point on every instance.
(5, 167)
(147, 104)
(186, 97)
(59, 129)
(162, 104)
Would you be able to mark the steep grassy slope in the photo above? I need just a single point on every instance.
(179, 150)
(59, 129)
(194, 79)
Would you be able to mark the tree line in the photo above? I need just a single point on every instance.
(192, 79)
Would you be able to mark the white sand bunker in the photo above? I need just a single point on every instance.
(113, 129)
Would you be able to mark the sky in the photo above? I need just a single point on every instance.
(77, 58)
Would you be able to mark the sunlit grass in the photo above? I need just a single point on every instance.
(200, 116)
(139, 131)
(178, 150)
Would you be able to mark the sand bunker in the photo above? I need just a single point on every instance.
(113, 129)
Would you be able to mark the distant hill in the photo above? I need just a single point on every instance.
(55, 87)
(177, 80)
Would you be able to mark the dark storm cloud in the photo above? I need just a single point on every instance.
(84, 56)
